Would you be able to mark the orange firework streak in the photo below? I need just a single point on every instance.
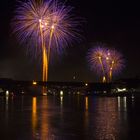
(104, 78)
(44, 58)
(111, 69)
(45, 55)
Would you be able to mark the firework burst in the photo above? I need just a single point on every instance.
(45, 26)
(107, 62)
(114, 63)
(96, 60)
(26, 23)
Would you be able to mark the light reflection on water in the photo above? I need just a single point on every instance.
(86, 114)
(69, 117)
(122, 103)
(34, 115)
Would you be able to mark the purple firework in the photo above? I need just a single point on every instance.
(107, 62)
(96, 58)
(26, 23)
(115, 62)
(58, 26)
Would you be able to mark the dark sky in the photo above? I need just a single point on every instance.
(113, 22)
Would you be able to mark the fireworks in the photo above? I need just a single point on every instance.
(29, 29)
(115, 63)
(96, 59)
(45, 26)
(26, 23)
(107, 62)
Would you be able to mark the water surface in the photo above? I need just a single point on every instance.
(71, 117)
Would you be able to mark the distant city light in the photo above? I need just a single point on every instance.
(104, 91)
(44, 94)
(7, 93)
(121, 90)
(61, 93)
(34, 83)
(74, 77)
(78, 92)
(86, 84)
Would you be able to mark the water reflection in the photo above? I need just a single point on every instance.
(7, 109)
(61, 101)
(44, 119)
(69, 117)
(86, 103)
(7, 101)
(125, 104)
(106, 121)
(86, 114)
(119, 103)
(61, 98)
(34, 115)
(122, 109)
(122, 103)
(44, 90)
(133, 101)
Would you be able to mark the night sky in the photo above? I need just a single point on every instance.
(115, 23)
